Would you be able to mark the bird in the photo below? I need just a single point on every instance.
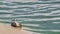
(16, 24)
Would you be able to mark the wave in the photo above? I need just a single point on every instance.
(37, 15)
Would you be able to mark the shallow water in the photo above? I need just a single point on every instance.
(40, 16)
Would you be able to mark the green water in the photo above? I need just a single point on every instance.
(41, 17)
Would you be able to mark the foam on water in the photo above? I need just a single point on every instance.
(39, 16)
(31, 25)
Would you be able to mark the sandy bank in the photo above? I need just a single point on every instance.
(6, 29)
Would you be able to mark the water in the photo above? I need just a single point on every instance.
(39, 16)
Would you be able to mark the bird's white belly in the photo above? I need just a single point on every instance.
(17, 24)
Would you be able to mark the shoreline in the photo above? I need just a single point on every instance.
(7, 29)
